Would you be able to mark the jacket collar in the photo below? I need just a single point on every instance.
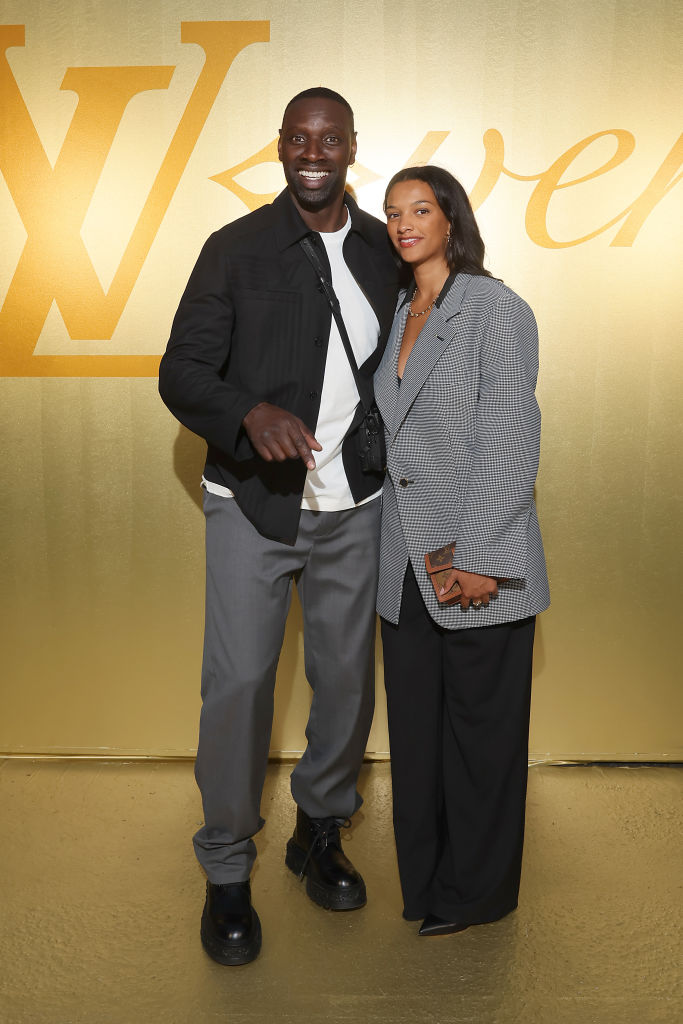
(450, 300)
(290, 228)
(437, 334)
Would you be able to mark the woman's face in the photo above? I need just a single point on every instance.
(417, 226)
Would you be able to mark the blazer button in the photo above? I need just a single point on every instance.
(318, 342)
(403, 482)
(312, 394)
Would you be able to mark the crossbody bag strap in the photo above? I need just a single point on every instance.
(313, 258)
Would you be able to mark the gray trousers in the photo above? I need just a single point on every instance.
(248, 592)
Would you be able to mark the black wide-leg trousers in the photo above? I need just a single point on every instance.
(458, 709)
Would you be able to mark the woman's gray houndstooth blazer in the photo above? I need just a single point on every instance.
(463, 439)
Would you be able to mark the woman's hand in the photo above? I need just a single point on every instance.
(475, 589)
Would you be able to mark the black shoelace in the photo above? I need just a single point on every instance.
(326, 832)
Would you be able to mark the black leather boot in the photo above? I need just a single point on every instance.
(315, 851)
(231, 930)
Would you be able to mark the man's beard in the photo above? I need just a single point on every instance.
(318, 198)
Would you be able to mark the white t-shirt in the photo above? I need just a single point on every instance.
(326, 488)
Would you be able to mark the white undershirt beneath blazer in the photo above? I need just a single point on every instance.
(326, 488)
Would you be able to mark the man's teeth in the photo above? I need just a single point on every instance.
(314, 174)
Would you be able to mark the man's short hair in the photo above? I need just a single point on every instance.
(320, 92)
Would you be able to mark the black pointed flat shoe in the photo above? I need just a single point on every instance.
(433, 925)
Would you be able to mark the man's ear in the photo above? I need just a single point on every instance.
(354, 147)
(279, 144)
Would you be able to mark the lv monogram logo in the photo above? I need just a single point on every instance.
(53, 201)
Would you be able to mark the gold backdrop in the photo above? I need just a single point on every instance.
(128, 133)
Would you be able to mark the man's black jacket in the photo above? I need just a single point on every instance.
(253, 326)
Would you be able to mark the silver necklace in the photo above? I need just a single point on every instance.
(422, 311)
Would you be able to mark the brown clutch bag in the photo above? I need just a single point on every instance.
(439, 564)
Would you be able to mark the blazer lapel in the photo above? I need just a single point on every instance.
(433, 340)
(386, 377)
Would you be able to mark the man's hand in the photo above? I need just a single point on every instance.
(278, 435)
(475, 588)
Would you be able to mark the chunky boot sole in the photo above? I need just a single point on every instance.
(224, 952)
(327, 896)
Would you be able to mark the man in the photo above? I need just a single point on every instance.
(255, 364)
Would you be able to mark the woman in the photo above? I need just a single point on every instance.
(456, 392)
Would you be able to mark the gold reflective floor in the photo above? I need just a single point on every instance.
(101, 900)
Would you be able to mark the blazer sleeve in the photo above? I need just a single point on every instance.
(492, 538)
(192, 370)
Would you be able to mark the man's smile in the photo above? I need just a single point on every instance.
(313, 175)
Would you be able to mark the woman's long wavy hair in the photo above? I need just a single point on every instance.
(465, 248)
